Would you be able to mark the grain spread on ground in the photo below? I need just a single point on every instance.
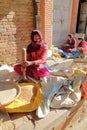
(28, 92)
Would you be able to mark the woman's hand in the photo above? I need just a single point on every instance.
(80, 48)
(66, 44)
(26, 63)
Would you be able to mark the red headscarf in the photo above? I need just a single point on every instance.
(34, 46)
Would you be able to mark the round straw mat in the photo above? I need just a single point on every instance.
(9, 91)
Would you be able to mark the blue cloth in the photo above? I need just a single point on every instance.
(63, 52)
(77, 53)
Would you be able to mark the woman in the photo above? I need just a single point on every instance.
(81, 48)
(70, 45)
(36, 55)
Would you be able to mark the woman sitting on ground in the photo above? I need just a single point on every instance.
(70, 45)
(36, 54)
(81, 48)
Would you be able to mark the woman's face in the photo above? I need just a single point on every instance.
(36, 38)
(68, 38)
(79, 41)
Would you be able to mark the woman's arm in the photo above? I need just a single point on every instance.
(40, 57)
(43, 57)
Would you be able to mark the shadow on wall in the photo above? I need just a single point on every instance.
(16, 24)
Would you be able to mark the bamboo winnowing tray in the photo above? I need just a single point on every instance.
(9, 91)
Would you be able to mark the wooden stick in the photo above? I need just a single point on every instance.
(24, 54)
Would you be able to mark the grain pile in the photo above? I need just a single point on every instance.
(28, 92)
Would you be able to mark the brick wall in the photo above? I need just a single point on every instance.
(42, 17)
(17, 20)
(46, 20)
(16, 24)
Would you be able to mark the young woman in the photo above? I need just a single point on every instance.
(70, 45)
(36, 55)
(81, 48)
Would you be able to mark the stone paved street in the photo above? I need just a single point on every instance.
(79, 121)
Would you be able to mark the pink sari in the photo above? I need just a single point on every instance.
(84, 46)
(37, 73)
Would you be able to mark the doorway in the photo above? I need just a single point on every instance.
(62, 10)
(82, 18)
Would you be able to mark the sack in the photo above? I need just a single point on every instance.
(79, 71)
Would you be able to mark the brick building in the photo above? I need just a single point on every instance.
(58, 18)
(16, 22)
(18, 18)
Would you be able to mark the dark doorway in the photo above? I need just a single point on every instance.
(82, 18)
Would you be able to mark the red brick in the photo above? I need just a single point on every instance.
(16, 23)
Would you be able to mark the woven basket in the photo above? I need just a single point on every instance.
(9, 91)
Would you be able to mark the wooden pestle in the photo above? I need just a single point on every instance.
(24, 59)
(24, 54)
